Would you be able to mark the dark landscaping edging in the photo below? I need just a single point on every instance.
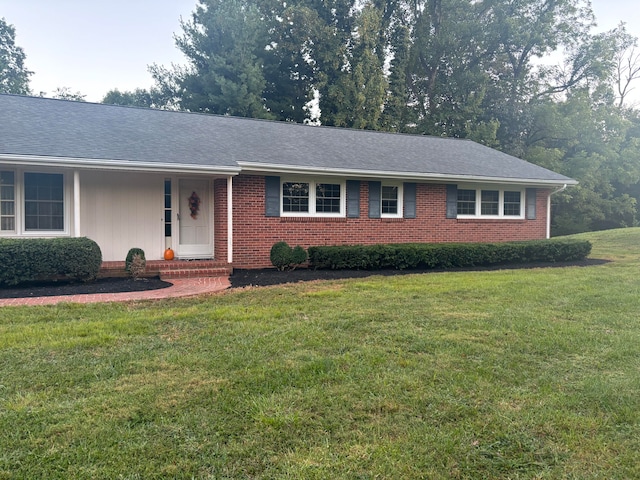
(271, 276)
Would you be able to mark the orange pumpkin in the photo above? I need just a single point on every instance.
(168, 254)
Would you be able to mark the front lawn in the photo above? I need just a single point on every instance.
(498, 374)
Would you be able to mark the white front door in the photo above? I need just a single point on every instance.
(195, 236)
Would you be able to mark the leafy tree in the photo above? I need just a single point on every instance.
(65, 93)
(225, 74)
(359, 94)
(136, 98)
(599, 147)
(14, 76)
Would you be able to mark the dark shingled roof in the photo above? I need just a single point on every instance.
(40, 127)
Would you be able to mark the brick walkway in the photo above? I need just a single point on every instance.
(183, 287)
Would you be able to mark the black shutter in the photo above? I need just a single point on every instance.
(272, 196)
(409, 200)
(452, 201)
(531, 203)
(353, 198)
(374, 199)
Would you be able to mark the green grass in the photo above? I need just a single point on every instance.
(498, 374)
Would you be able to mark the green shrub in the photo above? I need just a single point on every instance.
(446, 255)
(26, 260)
(140, 262)
(283, 257)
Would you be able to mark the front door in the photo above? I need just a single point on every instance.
(195, 236)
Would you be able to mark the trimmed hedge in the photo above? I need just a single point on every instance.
(283, 257)
(27, 260)
(446, 255)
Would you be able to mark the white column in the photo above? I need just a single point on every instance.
(76, 203)
(549, 215)
(230, 219)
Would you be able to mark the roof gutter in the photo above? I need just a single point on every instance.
(123, 165)
(561, 189)
(449, 178)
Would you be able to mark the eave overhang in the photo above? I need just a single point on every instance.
(274, 169)
(122, 165)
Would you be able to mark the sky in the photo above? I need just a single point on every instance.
(93, 46)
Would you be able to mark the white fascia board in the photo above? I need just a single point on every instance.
(250, 167)
(124, 165)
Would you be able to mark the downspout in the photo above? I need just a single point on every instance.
(557, 190)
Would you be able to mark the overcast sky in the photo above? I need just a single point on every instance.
(93, 46)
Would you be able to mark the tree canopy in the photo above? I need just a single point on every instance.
(462, 68)
(14, 75)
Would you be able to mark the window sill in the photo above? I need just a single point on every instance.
(312, 219)
(490, 220)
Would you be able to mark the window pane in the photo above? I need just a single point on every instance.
(7, 209)
(466, 202)
(489, 204)
(7, 192)
(512, 204)
(6, 178)
(7, 224)
(295, 197)
(44, 201)
(389, 200)
(327, 198)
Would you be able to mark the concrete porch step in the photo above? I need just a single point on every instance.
(166, 269)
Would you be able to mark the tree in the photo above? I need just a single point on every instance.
(596, 143)
(136, 98)
(627, 60)
(14, 76)
(359, 94)
(65, 93)
(224, 74)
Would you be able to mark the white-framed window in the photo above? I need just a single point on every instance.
(490, 202)
(391, 200)
(33, 203)
(7, 202)
(312, 198)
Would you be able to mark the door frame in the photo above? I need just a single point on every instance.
(176, 214)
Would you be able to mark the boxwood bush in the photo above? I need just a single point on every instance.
(446, 255)
(26, 260)
(284, 257)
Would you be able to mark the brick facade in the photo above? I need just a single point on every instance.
(254, 234)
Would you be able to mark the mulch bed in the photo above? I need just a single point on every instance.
(102, 285)
(241, 278)
(271, 276)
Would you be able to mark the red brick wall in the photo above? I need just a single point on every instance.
(220, 219)
(254, 234)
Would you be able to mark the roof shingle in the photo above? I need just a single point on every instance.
(40, 127)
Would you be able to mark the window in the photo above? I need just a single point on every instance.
(313, 198)
(512, 204)
(33, 203)
(167, 207)
(328, 198)
(389, 197)
(7, 202)
(492, 203)
(295, 197)
(466, 202)
(43, 201)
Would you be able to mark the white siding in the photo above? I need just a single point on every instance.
(121, 210)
